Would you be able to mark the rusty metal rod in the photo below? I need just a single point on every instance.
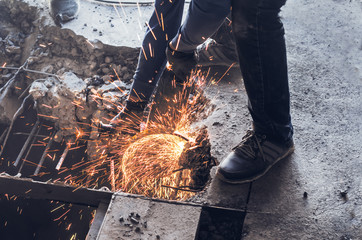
(36, 172)
(28, 152)
(25, 146)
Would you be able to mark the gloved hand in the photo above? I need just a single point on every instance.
(128, 120)
(181, 63)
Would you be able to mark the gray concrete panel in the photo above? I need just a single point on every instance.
(135, 218)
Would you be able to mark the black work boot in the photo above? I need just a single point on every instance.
(252, 158)
(64, 10)
(128, 120)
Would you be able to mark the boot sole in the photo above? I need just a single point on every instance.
(241, 181)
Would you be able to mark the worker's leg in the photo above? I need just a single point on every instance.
(260, 41)
(164, 23)
(203, 19)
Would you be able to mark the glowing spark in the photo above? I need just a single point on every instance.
(120, 18)
(68, 227)
(57, 208)
(90, 43)
(46, 116)
(144, 53)
(225, 72)
(163, 25)
(61, 216)
(79, 133)
(178, 41)
(139, 9)
(158, 19)
(113, 182)
(153, 34)
(150, 162)
(139, 24)
(150, 47)
(124, 12)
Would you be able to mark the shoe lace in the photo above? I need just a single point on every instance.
(251, 145)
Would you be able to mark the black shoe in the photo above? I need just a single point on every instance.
(64, 10)
(252, 158)
(128, 120)
(215, 54)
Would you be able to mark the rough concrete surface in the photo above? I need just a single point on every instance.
(316, 193)
(135, 218)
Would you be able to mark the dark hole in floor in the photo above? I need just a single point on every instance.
(220, 224)
(27, 219)
(30, 158)
(23, 218)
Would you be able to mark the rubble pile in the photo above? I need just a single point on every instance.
(17, 20)
(71, 79)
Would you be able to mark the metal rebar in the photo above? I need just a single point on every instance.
(29, 70)
(28, 152)
(3, 135)
(27, 134)
(24, 92)
(36, 172)
(10, 82)
(27, 142)
(21, 109)
(62, 158)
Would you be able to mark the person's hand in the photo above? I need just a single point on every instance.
(181, 63)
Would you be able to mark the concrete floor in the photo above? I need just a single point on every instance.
(316, 193)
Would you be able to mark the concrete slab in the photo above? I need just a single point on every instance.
(316, 194)
(222, 194)
(136, 218)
